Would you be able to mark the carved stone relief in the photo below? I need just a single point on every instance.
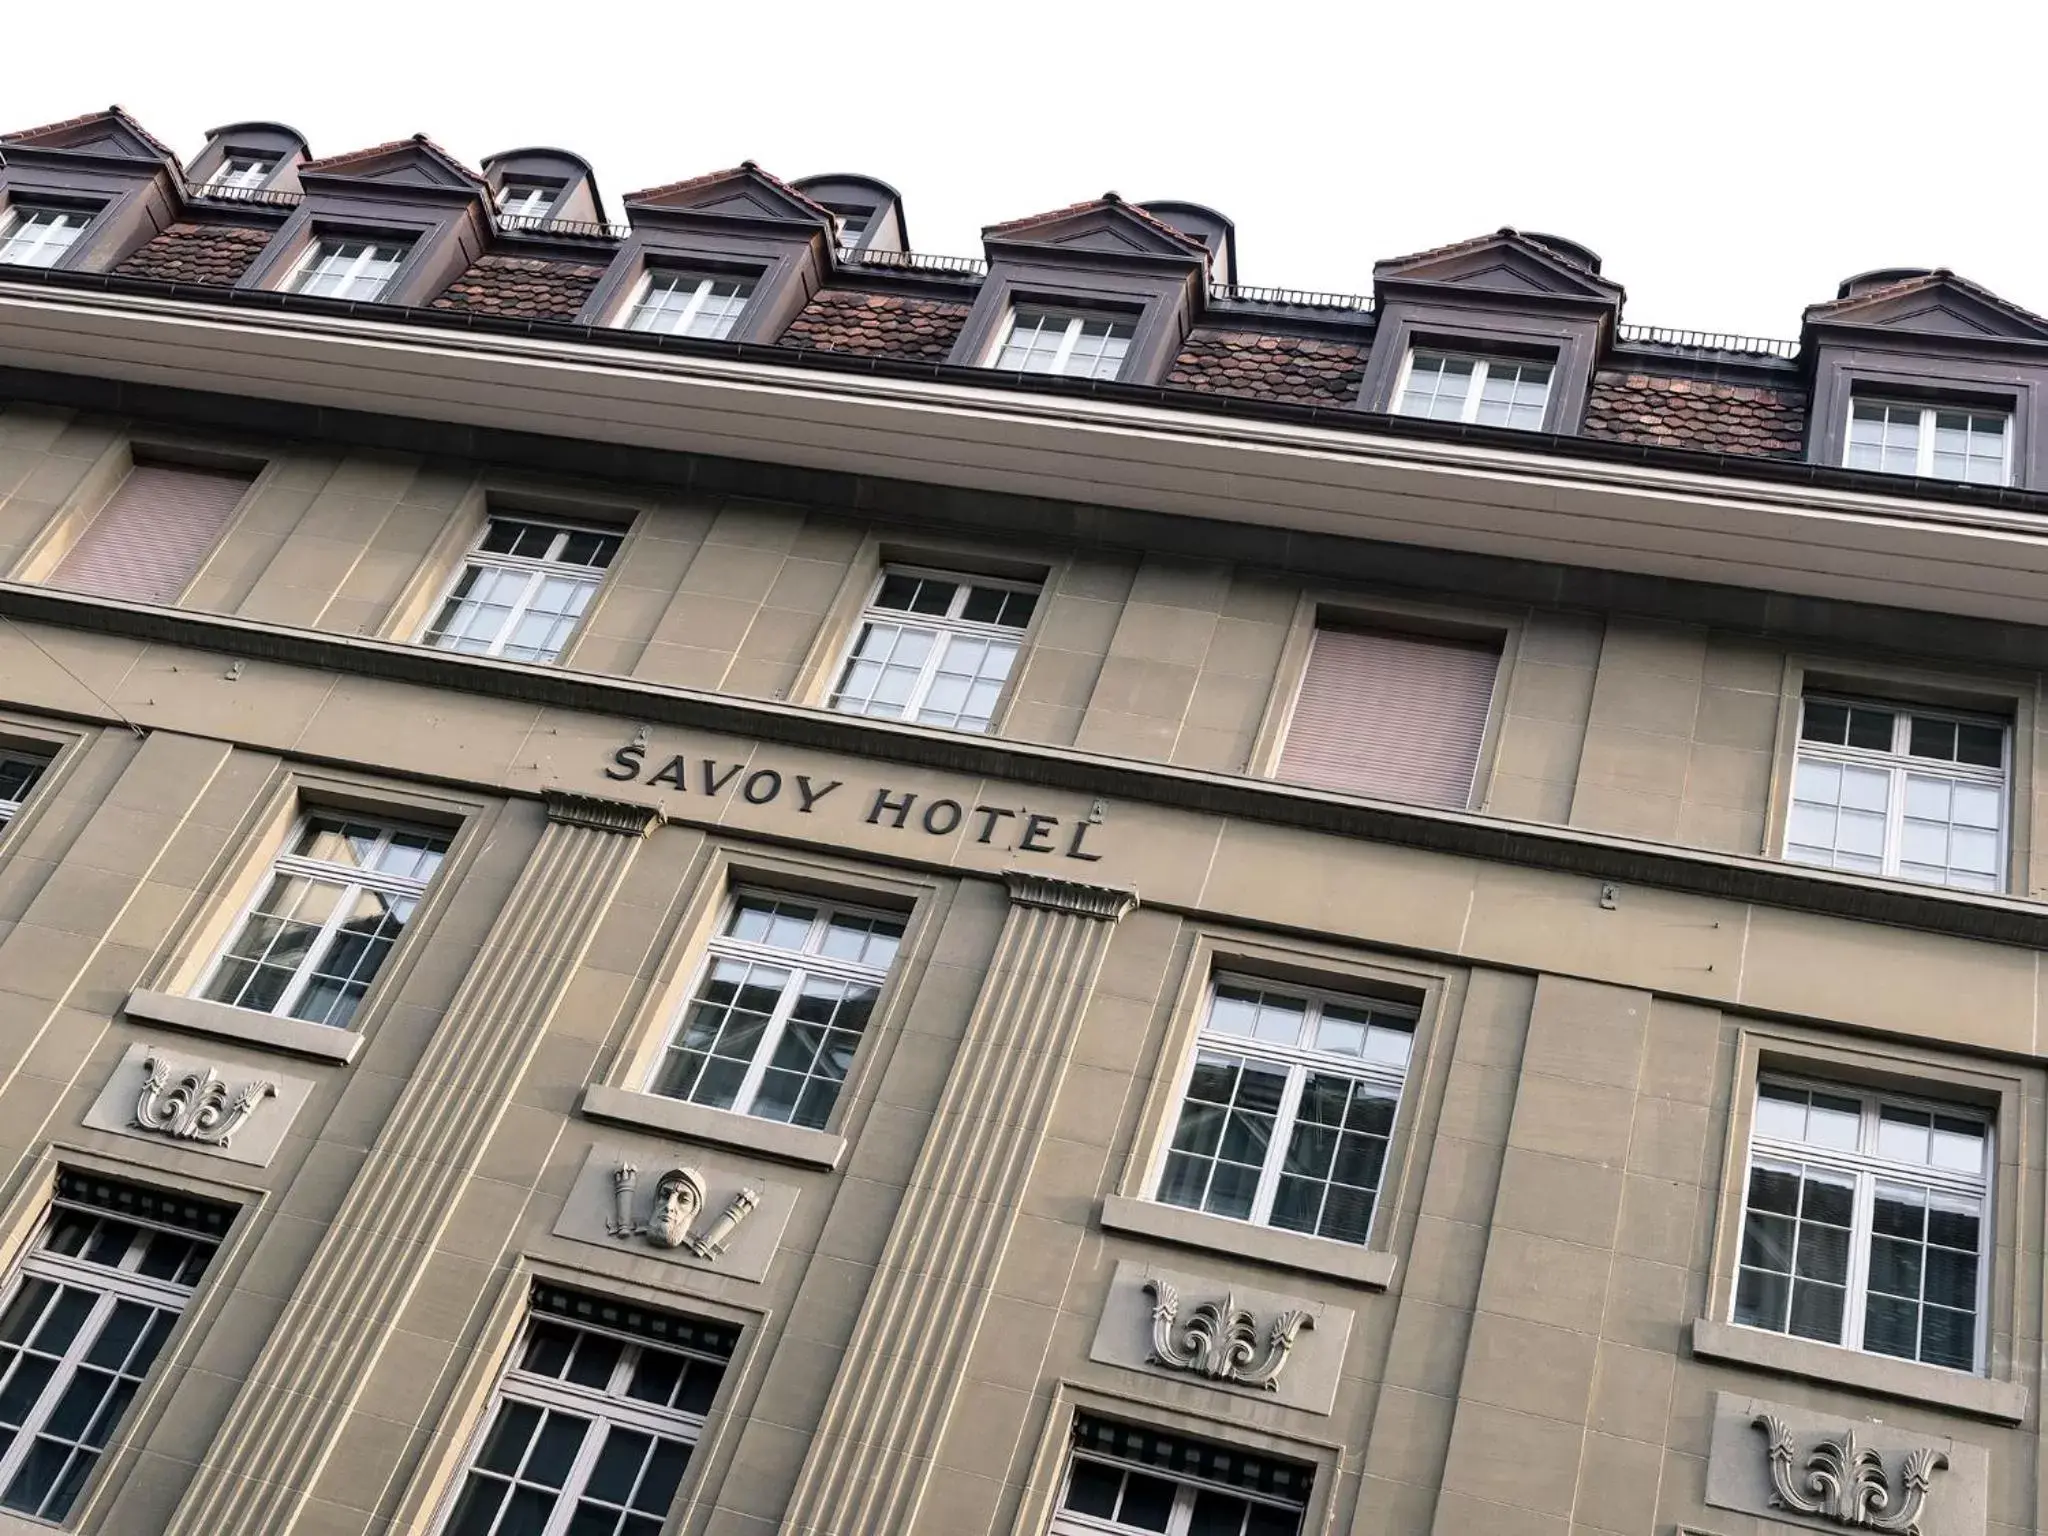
(1822, 1472)
(226, 1110)
(1213, 1334)
(695, 1213)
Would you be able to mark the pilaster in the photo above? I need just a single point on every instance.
(290, 1412)
(872, 1456)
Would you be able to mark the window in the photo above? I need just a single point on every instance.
(1398, 716)
(336, 902)
(242, 172)
(1905, 792)
(1932, 441)
(849, 224)
(1079, 346)
(935, 648)
(593, 1423)
(86, 1314)
(689, 304)
(149, 540)
(18, 775)
(1864, 1223)
(1288, 1108)
(777, 1015)
(348, 269)
(1121, 1478)
(39, 237)
(522, 590)
(527, 199)
(1493, 391)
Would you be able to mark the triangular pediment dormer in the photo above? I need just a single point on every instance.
(413, 162)
(111, 133)
(1505, 262)
(1103, 226)
(746, 192)
(1937, 303)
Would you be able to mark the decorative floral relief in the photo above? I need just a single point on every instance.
(194, 1105)
(1847, 1483)
(679, 1199)
(1221, 1340)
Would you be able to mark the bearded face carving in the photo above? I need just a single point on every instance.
(679, 1197)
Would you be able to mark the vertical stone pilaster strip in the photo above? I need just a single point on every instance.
(875, 1446)
(290, 1411)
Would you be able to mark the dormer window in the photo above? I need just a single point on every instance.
(347, 269)
(39, 237)
(1078, 346)
(689, 304)
(1488, 391)
(527, 199)
(849, 224)
(1938, 442)
(242, 173)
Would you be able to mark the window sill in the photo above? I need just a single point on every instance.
(745, 1133)
(1368, 1267)
(2004, 1401)
(295, 1037)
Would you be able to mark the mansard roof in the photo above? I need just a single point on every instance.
(108, 132)
(1106, 224)
(1936, 303)
(1506, 261)
(418, 161)
(744, 191)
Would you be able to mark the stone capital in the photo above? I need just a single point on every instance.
(600, 814)
(1109, 902)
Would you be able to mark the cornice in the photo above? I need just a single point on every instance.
(599, 814)
(1559, 849)
(1075, 897)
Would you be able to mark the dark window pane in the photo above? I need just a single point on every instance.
(1767, 1242)
(1891, 1326)
(1824, 722)
(62, 1321)
(37, 1476)
(506, 1443)
(1871, 728)
(1891, 1216)
(1148, 1502)
(23, 1308)
(1216, 1514)
(526, 1514)
(1771, 1189)
(1823, 1254)
(1761, 1299)
(1830, 1203)
(1895, 1267)
(700, 1387)
(1266, 1520)
(1951, 1279)
(1948, 1338)
(554, 1449)
(1092, 1489)
(663, 1476)
(655, 1376)
(1817, 1311)
(80, 1402)
(1981, 746)
(118, 1335)
(596, 1358)
(1933, 738)
(31, 1375)
(474, 1512)
(618, 1465)
(1952, 1229)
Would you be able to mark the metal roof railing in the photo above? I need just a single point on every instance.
(917, 261)
(1293, 298)
(578, 229)
(214, 192)
(1708, 341)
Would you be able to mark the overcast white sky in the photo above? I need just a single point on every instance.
(1731, 161)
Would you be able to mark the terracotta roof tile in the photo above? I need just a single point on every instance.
(878, 325)
(747, 166)
(1664, 411)
(197, 253)
(419, 140)
(1302, 370)
(117, 111)
(522, 287)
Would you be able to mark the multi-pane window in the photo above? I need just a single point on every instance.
(527, 199)
(244, 172)
(348, 269)
(84, 1317)
(689, 304)
(1906, 792)
(336, 902)
(1492, 391)
(1289, 1107)
(18, 774)
(522, 590)
(776, 1017)
(594, 1421)
(1124, 1479)
(39, 237)
(1051, 341)
(1866, 1222)
(935, 648)
(1941, 442)
(849, 224)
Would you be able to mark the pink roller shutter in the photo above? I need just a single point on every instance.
(1397, 716)
(152, 534)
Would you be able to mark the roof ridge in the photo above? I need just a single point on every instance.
(118, 112)
(417, 140)
(746, 167)
(1106, 200)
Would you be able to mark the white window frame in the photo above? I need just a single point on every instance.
(9, 809)
(21, 216)
(113, 1286)
(537, 570)
(801, 965)
(1899, 763)
(942, 627)
(1299, 1061)
(705, 282)
(520, 190)
(1066, 1522)
(1867, 1167)
(607, 1409)
(370, 255)
(1482, 369)
(1923, 443)
(226, 174)
(1076, 322)
(355, 880)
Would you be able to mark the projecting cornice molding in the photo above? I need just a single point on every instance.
(1072, 896)
(599, 814)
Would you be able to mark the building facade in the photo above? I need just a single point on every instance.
(709, 876)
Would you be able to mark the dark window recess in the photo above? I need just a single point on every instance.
(696, 1334)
